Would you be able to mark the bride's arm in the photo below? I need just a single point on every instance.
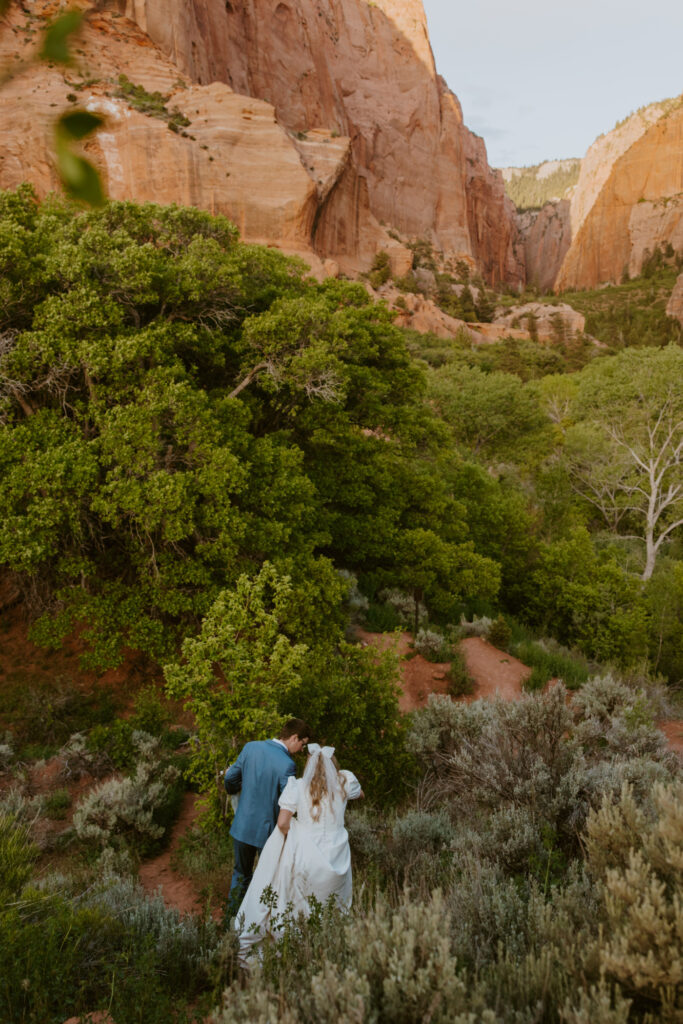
(283, 820)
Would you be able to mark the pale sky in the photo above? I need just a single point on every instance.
(541, 80)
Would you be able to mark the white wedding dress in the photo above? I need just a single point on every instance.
(313, 859)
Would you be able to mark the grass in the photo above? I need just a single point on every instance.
(550, 661)
(206, 858)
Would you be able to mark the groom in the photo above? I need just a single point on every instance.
(259, 775)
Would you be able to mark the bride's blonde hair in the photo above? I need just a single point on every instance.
(318, 786)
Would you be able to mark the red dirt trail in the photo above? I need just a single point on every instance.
(176, 890)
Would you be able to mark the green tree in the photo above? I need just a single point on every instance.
(491, 414)
(625, 455)
(237, 672)
(588, 600)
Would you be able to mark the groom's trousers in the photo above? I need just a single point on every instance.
(245, 855)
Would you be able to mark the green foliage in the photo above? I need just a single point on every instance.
(17, 855)
(114, 949)
(460, 682)
(349, 696)
(491, 414)
(151, 103)
(598, 607)
(632, 313)
(530, 190)
(550, 661)
(56, 39)
(238, 672)
(500, 634)
(380, 272)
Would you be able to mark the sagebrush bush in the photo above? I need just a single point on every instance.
(432, 645)
(126, 809)
(637, 851)
(404, 606)
(479, 626)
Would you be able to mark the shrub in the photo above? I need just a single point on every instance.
(380, 271)
(150, 713)
(637, 853)
(56, 804)
(381, 618)
(17, 854)
(499, 634)
(6, 752)
(404, 606)
(127, 809)
(460, 682)
(549, 660)
(432, 646)
(79, 758)
(479, 626)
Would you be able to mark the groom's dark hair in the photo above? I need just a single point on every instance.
(295, 727)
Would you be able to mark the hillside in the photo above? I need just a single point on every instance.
(530, 188)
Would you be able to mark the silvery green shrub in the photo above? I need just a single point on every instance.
(404, 606)
(432, 645)
(123, 808)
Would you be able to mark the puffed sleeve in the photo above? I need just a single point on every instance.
(353, 786)
(289, 798)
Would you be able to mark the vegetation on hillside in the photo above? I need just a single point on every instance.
(216, 465)
(531, 187)
(634, 311)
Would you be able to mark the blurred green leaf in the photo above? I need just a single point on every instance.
(56, 41)
(4, 6)
(79, 123)
(80, 179)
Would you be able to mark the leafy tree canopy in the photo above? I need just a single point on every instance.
(177, 408)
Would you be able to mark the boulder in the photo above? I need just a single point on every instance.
(558, 322)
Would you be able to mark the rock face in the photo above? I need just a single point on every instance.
(628, 200)
(548, 323)
(675, 304)
(639, 206)
(313, 124)
(547, 236)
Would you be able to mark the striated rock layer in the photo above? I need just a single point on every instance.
(316, 125)
(364, 71)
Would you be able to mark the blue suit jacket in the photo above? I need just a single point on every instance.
(259, 775)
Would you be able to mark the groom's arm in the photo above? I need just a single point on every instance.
(285, 776)
(232, 780)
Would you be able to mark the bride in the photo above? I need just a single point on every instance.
(307, 855)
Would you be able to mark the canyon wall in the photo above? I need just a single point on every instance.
(628, 201)
(630, 204)
(320, 126)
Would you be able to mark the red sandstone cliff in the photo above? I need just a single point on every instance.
(312, 121)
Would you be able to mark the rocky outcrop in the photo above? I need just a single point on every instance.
(366, 72)
(545, 322)
(628, 201)
(547, 235)
(674, 306)
(316, 125)
(614, 233)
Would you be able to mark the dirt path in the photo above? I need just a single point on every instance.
(176, 890)
(494, 672)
